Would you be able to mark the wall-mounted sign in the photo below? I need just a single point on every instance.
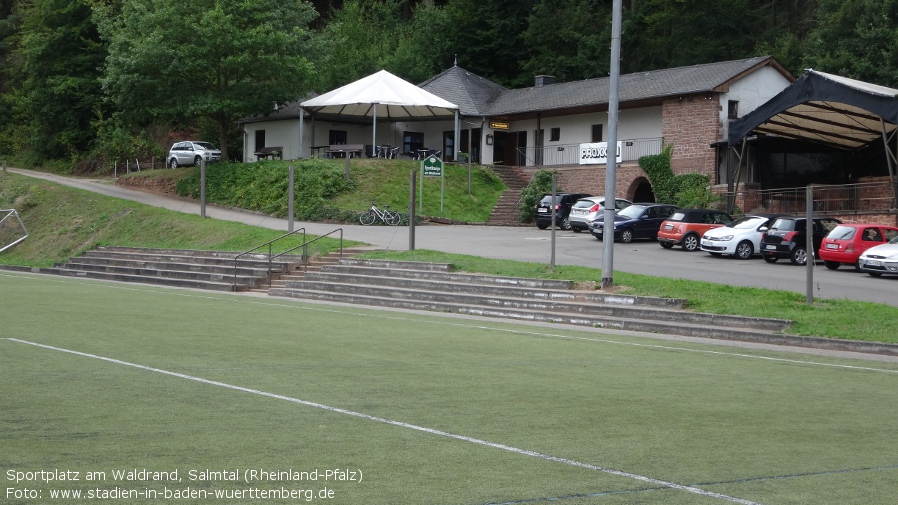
(498, 125)
(596, 153)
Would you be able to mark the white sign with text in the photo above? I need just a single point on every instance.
(596, 153)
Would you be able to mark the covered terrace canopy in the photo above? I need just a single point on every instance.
(825, 108)
(383, 96)
(828, 109)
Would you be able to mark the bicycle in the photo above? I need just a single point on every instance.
(386, 215)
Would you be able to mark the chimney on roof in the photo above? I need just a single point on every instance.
(544, 80)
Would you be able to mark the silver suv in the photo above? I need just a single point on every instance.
(191, 153)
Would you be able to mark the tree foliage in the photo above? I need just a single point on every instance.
(60, 55)
(857, 39)
(220, 60)
(81, 77)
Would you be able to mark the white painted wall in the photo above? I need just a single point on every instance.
(751, 91)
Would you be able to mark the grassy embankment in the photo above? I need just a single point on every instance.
(63, 222)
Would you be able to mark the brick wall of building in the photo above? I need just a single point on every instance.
(692, 124)
(591, 178)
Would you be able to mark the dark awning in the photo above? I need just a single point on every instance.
(824, 108)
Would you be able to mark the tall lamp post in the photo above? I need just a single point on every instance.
(611, 171)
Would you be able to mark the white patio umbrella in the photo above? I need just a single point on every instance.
(380, 95)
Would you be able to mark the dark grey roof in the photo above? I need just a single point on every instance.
(469, 91)
(478, 96)
(639, 86)
(286, 111)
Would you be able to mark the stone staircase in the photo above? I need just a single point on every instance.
(314, 264)
(212, 270)
(435, 287)
(507, 211)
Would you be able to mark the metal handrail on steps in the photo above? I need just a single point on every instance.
(304, 245)
(269, 244)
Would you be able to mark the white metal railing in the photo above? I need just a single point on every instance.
(569, 154)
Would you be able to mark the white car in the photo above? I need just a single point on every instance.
(741, 238)
(589, 209)
(880, 259)
(188, 153)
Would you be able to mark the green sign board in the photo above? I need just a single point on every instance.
(433, 167)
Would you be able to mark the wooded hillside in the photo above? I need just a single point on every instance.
(82, 81)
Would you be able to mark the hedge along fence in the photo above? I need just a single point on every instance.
(262, 186)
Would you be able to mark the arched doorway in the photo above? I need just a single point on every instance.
(641, 189)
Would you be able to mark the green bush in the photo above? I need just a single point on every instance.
(688, 191)
(262, 186)
(540, 184)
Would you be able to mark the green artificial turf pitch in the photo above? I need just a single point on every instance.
(166, 395)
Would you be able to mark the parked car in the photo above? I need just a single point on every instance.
(880, 259)
(741, 238)
(563, 203)
(640, 220)
(685, 227)
(589, 208)
(846, 242)
(191, 152)
(787, 238)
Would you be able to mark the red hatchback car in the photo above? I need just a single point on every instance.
(846, 242)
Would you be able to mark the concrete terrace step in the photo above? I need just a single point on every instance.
(212, 270)
(144, 279)
(711, 329)
(545, 304)
(422, 286)
(252, 279)
(192, 257)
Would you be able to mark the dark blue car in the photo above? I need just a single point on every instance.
(638, 221)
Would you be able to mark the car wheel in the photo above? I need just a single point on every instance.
(744, 250)
(832, 265)
(566, 223)
(690, 242)
(173, 163)
(769, 258)
(626, 235)
(799, 256)
(197, 160)
(542, 226)
(857, 266)
(666, 245)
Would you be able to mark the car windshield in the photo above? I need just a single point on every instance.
(632, 212)
(206, 145)
(584, 204)
(747, 222)
(894, 240)
(783, 225)
(842, 233)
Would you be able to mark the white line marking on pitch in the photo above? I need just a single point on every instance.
(524, 452)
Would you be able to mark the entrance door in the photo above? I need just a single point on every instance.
(516, 150)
